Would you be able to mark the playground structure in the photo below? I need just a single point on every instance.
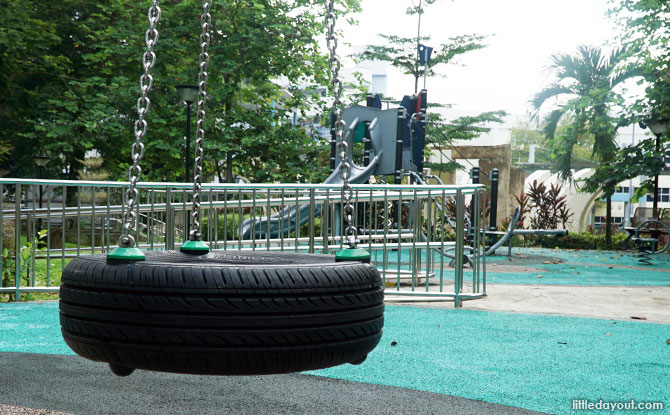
(393, 146)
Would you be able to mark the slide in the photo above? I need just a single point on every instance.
(284, 222)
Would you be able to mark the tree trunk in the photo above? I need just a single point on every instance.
(229, 167)
(218, 171)
(608, 224)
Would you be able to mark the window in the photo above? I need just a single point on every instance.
(663, 195)
(600, 221)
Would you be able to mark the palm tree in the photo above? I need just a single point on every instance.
(584, 90)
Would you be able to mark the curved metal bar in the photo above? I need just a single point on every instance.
(510, 232)
(641, 228)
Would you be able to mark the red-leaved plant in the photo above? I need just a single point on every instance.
(548, 206)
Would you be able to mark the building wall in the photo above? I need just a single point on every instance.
(487, 158)
(587, 206)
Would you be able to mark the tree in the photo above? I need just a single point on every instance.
(643, 33)
(69, 75)
(440, 133)
(547, 151)
(402, 52)
(586, 82)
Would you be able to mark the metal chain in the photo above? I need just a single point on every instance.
(342, 146)
(126, 240)
(205, 23)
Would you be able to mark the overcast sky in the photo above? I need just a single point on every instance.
(511, 69)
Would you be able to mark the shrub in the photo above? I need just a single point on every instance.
(549, 208)
(578, 240)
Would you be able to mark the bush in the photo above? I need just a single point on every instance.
(228, 227)
(578, 240)
(8, 248)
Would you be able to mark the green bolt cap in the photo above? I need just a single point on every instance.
(353, 254)
(195, 248)
(126, 254)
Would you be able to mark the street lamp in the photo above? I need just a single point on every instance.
(658, 126)
(188, 94)
(41, 161)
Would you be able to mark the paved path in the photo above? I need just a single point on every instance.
(77, 386)
(619, 303)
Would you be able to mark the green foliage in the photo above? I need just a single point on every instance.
(585, 84)
(643, 31)
(401, 52)
(548, 205)
(587, 80)
(441, 133)
(547, 151)
(25, 260)
(69, 73)
(578, 240)
(633, 161)
(226, 229)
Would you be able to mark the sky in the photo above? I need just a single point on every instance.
(506, 74)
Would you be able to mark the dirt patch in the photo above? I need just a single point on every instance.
(512, 269)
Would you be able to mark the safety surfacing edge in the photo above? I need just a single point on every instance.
(539, 266)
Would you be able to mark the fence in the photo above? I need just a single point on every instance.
(46, 223)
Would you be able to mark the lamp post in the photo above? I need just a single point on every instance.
(41, 161)
(658, 126)
(188, 94)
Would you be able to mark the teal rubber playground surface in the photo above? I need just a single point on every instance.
(563, 267)
(535, 362)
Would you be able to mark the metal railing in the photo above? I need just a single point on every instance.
(45, 223)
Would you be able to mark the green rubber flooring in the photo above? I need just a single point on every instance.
(596, 268)
(535, 362)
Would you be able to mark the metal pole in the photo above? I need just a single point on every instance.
(655, 205)
(17, 236)
(39, 221)
(425, 74)
(418, 40)
(458, 262)
(333, 143)
(187, 173)
(474, 174)
(41, 177)
(493, 218)
(629, 208)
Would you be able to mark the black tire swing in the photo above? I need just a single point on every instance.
(219, 312)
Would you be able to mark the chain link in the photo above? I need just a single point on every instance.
(342, 146)
(205, 23)
(126, 240)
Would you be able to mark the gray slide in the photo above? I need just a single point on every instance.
(284, 222)
(382, 130)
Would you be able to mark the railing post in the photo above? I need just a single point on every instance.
(17, 236)
(312, 209)
(169, 220)
(476, 242)
(2, 227)
(494, 177)
(460, 239)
